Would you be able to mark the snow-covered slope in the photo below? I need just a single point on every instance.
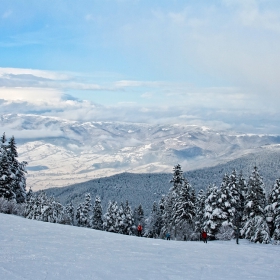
(38, 250)
(62, 152)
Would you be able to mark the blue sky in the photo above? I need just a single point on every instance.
(214, 62)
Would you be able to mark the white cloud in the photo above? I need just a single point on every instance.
(37, 96)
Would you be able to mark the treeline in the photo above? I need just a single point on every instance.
(238, 207)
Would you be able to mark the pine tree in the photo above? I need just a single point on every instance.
(18, 171)
(167, 220)
(121, 219)
(138, 215)
(52, 211)
(6, 176)
(126, 222)
(255, 227)
(199, 212)
(36, 205)
(242, 187)
(226, 202)
(111, 218)
(153, 223)
(12, 172)
(3, 140)
(183, 210)
(212, 212)
(97, 222)
(272, 211)
(177, 179)
(83, 212)
(69, 214)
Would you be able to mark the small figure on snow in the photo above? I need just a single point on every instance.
(204, 236)
(167, 236)
(139, 229)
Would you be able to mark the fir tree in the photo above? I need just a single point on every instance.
(183, 209)
(226, 202)
(212, 212)
(83, 212)
(128, 220)
(167, 220)
(69, 214)
(12, 172)
(138, 215)
(242, 187)
(199, 212)
(272, 211)
(153, 223)
(255, 227)
(97, 222)
(6, 176)
(111, 218)
(3, 140)
(177, 179)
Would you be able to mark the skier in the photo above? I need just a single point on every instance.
(167, 236)
(139, 228)
(204, 236)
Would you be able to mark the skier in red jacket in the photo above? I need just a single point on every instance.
(204, 236)
(139, 228)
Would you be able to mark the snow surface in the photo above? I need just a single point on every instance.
(37, 250)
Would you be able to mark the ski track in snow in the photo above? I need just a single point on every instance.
(37, 250)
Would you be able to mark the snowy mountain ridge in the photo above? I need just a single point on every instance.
(62, 152)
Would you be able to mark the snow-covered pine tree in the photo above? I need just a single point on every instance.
(153, 222)
(226, 202)
(138, 215)
(79, 215)
(272, 211)
(69, 214)
(167, 214)
(242, 187)
(30, 199)
(111, 218)
(128, 221)
(199, 213)
(126, 224)
(52, 211)
(97, 222)
(18, 171)
(235, 191)
(83, 212)
(12, 172)
(183, 210)
(212, 212)
(3, 140)
(6, 175)
(121, 219)
(177, 179)
(254, 223)
(35, 206)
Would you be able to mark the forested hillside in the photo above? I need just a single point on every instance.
(147, 188)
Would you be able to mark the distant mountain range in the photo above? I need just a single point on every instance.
(62, 152)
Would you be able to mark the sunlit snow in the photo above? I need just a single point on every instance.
(37, 250)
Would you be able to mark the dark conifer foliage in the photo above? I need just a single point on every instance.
(97, 221)
(12, 172)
